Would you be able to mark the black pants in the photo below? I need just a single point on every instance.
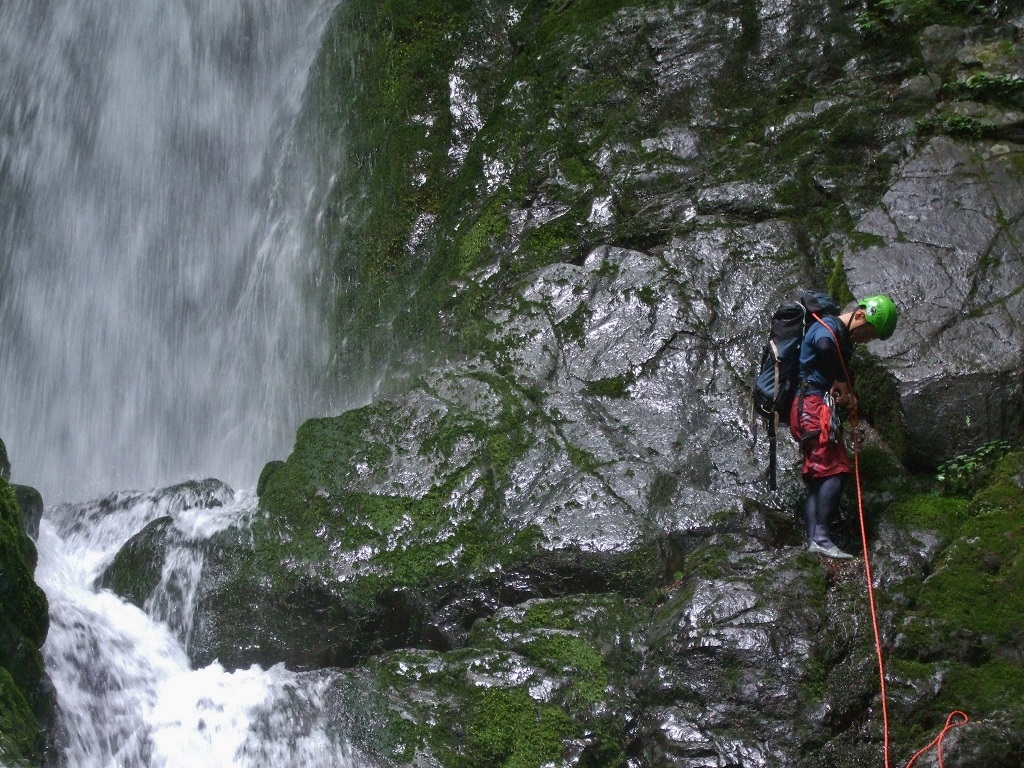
(821, 503)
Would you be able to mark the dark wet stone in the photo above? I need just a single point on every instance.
(135, 570)
(31, 503)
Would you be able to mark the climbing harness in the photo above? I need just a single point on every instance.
(950, 724)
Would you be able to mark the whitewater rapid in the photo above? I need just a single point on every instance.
(127, 695)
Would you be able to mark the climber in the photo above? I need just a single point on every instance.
(825, 393)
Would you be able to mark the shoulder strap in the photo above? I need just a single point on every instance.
(842, 361)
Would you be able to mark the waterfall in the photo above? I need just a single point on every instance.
(158, 321)
(127, 695)
(155, 288)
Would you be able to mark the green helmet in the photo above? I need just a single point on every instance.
(882, 313)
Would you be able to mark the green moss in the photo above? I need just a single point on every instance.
(987, 691)
(965, 624)
(564, 654)
(613, 386)
(978, 578)
(837, 286)
(469, 726)
(507, 729)
(930, 512)
(268, 470)
(565, 613)
(553, 241)
(22, 602)
(20, 739)
(992, 687)
(24, 621)
(475, 247)
(580, 172)
(572, 328)
(138, 565)
(582, 459)
(815, 681)
(663, 488)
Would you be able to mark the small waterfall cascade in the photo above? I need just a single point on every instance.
(156, 292)
(126, 693)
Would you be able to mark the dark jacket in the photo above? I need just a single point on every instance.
(820, 364)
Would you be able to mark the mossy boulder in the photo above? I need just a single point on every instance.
(26, 697)
(31, 503)
(961, 636)
(544, 682)
(401, 523)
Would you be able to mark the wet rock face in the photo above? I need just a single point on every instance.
(949, 253)
(753, 660)
(31, 503)
(401, 524)
(557, 547)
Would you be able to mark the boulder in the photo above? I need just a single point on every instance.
(26, 694)
(946, 248)
(31, 503)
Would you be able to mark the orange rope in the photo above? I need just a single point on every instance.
(950, 725)
(871, 590)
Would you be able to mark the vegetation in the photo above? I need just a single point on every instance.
(24, 621)
(965, 624)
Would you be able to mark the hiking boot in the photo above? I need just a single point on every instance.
(828, 549)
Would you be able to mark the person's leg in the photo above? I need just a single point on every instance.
(811, 509)
(818, 510)
(826, 498)
(825, 466)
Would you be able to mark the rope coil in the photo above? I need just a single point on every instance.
(950, 725)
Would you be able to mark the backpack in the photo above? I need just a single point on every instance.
(777, 380)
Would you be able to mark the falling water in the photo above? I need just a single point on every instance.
(127, 695)
(154, 282)
(155, 325)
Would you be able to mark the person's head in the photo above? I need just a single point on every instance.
(874, 318)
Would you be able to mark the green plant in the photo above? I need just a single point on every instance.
(964, 127)
(984, 86)
(967, 472)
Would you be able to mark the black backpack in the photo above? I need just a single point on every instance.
(778, 378)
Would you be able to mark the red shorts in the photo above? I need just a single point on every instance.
(822, 457)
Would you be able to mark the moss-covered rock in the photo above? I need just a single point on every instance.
(545, 682)
(26, 703)
(960, 645)
(401, 523)
(31, 503)
(20, 738)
